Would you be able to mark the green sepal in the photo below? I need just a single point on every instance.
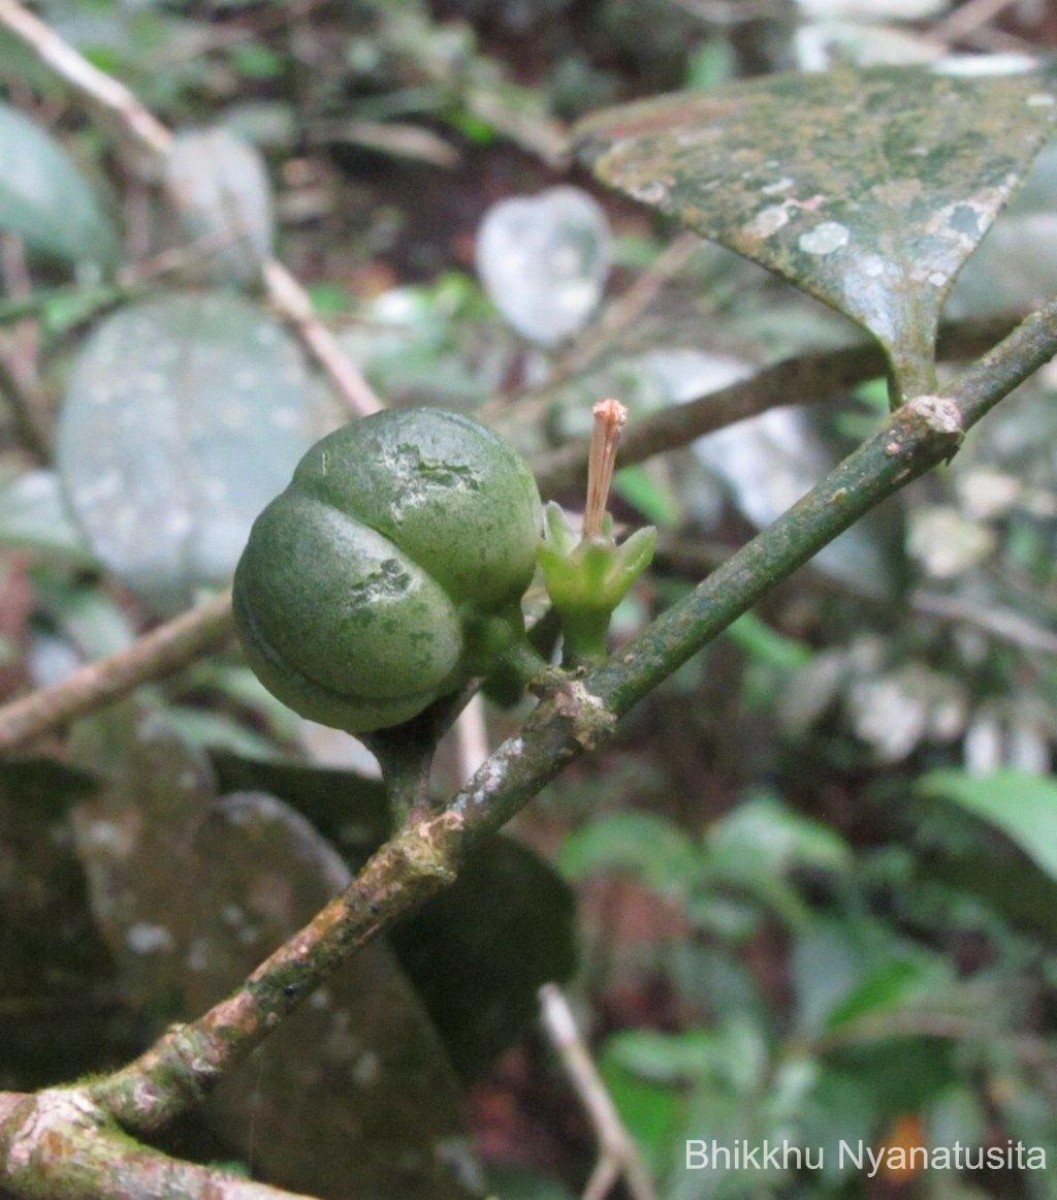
(587, 579)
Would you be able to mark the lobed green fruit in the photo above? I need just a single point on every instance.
(391, 570)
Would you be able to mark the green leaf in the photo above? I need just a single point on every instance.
(869, 189)
(647, 846)
(890, 985)
(184, 416)
(771, 838)
(46, 200)
(766, 645)
(1023, 806)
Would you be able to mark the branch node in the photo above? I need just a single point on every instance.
(941, 417)
(592, 722)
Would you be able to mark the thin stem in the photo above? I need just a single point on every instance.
(163, 651)
(425, 855)
(807, 379)
(618, 1156)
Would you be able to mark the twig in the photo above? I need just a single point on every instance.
(967, 18)
(618, 1155)
(164, 650)
(56, 1143)
(426, 854)
(808, 379)
(286, 295)
(998, 623)
(624, 310)
(291, 302)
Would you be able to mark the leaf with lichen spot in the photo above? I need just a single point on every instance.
(183, 417)
(867, 188)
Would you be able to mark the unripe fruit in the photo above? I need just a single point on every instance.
(391, 569)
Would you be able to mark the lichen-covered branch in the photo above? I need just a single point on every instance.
(58, 1145)
(578, 716)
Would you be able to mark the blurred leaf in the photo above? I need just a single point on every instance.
(544, 261)
(220, 187)
(733, 1053)
(1023, 806)
(209, 730)
(651, 1112)
(766, 645)
(349, 810)
(46, 200)
(183, 418)
(890, 985)
(56, 999)
(841, 1107)
(640, 488)
(867, 188)
(480, 951)
(826, 964)
(514, 1183)
(33, 516)
(641, 844)
(1010, 884)
(771, 838)
(768, 462)
(192, 899)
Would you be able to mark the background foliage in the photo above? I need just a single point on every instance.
(809, 891)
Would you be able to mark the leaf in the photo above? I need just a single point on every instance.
(869, 189)
(479, 952)
(33, 516)
(1022, 806)
(219, 185)
(349, 810)
(769, 838)
(183, 418)
(46, 200)
(544, 261)
(53, 987)
(642, 844)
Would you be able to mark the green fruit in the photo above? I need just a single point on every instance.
(391, 570)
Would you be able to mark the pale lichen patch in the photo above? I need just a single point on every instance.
(824, 239)
(767, 221)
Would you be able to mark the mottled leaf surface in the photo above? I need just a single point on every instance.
(191, 891)
(45, 199)
(868, 189)
(183, 418)
(219, 185)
